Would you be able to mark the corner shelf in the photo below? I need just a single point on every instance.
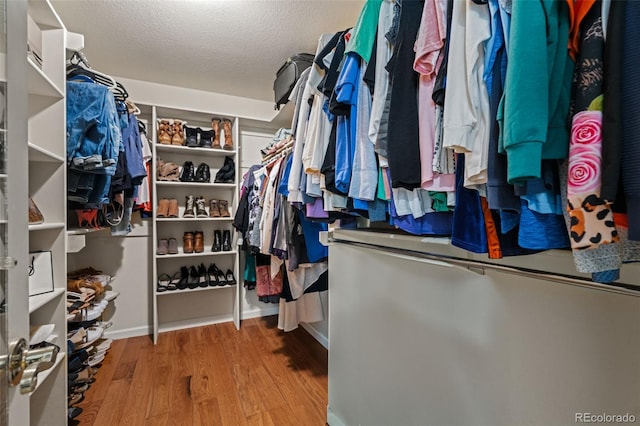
(37, 153)
(44, 375)
(38, 83)
(83, 231)
(45, 226)
(36, 302)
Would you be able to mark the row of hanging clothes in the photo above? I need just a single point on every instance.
(508, 126)
(285, 261)
(108, 153)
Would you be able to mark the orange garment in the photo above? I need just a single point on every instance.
(493, 242)
(577, 11)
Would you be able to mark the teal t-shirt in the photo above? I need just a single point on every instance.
(364, 33)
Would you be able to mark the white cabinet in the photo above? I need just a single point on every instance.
(35, 139)
(202, 304)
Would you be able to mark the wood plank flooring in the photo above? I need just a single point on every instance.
(209, 376)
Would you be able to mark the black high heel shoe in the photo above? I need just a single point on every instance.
(184, 278)
(203, 276)
(231, 280)
(194, 278)
(213, 278)
(222, 280)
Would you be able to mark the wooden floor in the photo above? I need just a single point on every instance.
(211, 375)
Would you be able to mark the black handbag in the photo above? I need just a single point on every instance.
(288, 75)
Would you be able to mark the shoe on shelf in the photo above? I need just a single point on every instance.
(213, 277)
(168, 172)
(163, 208)
(172, 246)
(178, 133)
(217, 241)
(187, 242)
(165, 283)
(201, 210)
(187, 174)
(73, 412)
(194, 278)
(203, 276)
(198, 243)
(214, 210)
(222, 280)
(163, 247)
(226, 240)
(215, 126)
(227, 174)
(231, 280)
(35, 215)
(206, 138)
(189, 209)
(224, 208)
(203, 173)
(165, 132)
(184, 278)
(173, 208)
(192, 136)
(228, 134)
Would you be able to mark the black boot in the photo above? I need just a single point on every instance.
(187, 175)
(226, 240)
(192, 136)
(206, 138)
(203, 174)
(217, 241)
(227, 174)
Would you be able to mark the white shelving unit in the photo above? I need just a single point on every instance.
(205, 306)
(35, 138)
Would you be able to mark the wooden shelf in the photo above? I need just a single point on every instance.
(38, 83)
(179, 149)
(203, 254)
(46, 226)
(197, 184)
(36, 302)
(188, 290)
(37, 153)
(44, 375)
(191, 219)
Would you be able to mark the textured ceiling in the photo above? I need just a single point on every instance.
(226, 46)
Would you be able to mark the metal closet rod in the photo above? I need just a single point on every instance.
(619, 288)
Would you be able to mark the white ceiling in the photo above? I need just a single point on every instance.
(233, 47)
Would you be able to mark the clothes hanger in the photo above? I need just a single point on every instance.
(78, 65)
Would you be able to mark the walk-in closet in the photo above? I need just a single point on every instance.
(319, 212)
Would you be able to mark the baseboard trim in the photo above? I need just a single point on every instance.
(333, 420)
(128, 332)
(321, 338)
(259, 313)
(192, 323)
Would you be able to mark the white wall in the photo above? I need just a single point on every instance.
(129, 259)
(422, 344)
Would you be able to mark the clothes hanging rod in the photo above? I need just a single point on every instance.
(619, 288)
